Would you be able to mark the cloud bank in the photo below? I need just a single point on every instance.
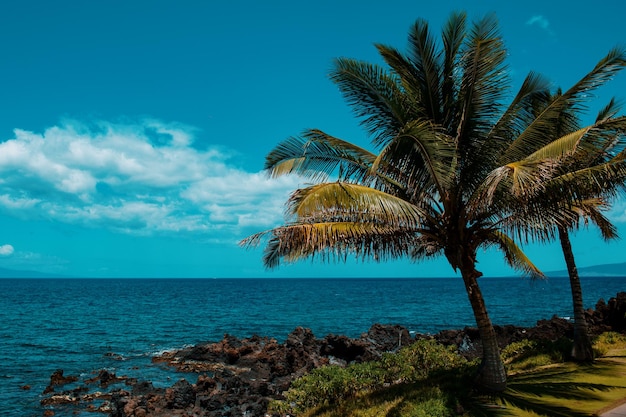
(142, 177)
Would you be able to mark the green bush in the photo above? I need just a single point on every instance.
(432, 402)
(420, 360)
(607, 341)
(529, 354)
(518, 350)
(331, 384)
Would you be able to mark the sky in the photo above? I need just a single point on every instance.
(133, 133)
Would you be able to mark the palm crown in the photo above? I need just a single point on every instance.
(455, 169)
(453, 164)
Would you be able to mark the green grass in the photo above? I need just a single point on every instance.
(427, 379)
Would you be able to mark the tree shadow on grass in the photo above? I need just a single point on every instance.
(550, 391)
(418, 398)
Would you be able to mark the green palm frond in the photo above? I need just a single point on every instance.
(591, 211)
(373, 94)
(424, 158)
(534, 93)
(453, 36)
(541, 130)
(609, 111)
(519, 179)
(317, 155)
(425, 57)
(483, 83)
(534, 173)
(606, 137)
(604, 179)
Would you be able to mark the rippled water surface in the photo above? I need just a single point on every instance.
(82, 325)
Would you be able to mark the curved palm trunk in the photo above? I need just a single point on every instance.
(582, 350)
(491, 374)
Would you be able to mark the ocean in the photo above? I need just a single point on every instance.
(84, 325)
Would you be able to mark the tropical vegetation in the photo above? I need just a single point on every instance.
(429, 379)
(588, 179)
(455, 169)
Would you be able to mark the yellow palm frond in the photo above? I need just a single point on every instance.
(340, 200)
(333, 241)
(513, 254)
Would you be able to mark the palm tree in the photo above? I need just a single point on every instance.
(596, 171)
(447, 151)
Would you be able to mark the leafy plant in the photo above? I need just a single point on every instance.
(608, 341)
(332, 384)
(530, 354)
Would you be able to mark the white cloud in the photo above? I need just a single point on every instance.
(6, 250)
(539, 20)
(542, 23)
(142, 177)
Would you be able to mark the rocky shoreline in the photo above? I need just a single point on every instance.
(239, 377)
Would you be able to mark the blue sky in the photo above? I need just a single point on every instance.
(133, 133)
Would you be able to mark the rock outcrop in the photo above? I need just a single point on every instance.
(239, 377)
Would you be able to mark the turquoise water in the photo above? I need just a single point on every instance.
(82, 325)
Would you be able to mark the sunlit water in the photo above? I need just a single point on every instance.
(81, 325)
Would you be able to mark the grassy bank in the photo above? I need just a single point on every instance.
(427, 379)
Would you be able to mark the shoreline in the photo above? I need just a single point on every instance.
(243, 375)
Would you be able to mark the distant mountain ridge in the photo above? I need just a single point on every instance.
(16, 273)
(605, 270)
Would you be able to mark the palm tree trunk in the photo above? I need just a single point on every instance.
(491, 374)
(582, 351)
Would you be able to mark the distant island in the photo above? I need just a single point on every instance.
(17, 273)
(606, 270)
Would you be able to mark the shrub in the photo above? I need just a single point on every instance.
(518, 350)
(608, 341)
(331, 384)
(529, 354)
(420, 360)
(431, 402)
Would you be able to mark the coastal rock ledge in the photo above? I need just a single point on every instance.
(239, 377)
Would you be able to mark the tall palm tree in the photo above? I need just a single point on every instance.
(446, 150)
(596, 171)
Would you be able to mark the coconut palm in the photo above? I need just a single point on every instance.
(445, 178)
(594, 173)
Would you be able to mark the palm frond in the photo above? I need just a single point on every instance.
(559, 148)
(533, 94)
(513, 254)
(333, 241)
(425, 57)
(338, 201)
(483, 83)
(373, 94)
(604, 179)
(453, 36)
(317, 155)
(609, 111)
(606, 137)
(591, 210)
(572, 101)
(529, 176)
(423, 157)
